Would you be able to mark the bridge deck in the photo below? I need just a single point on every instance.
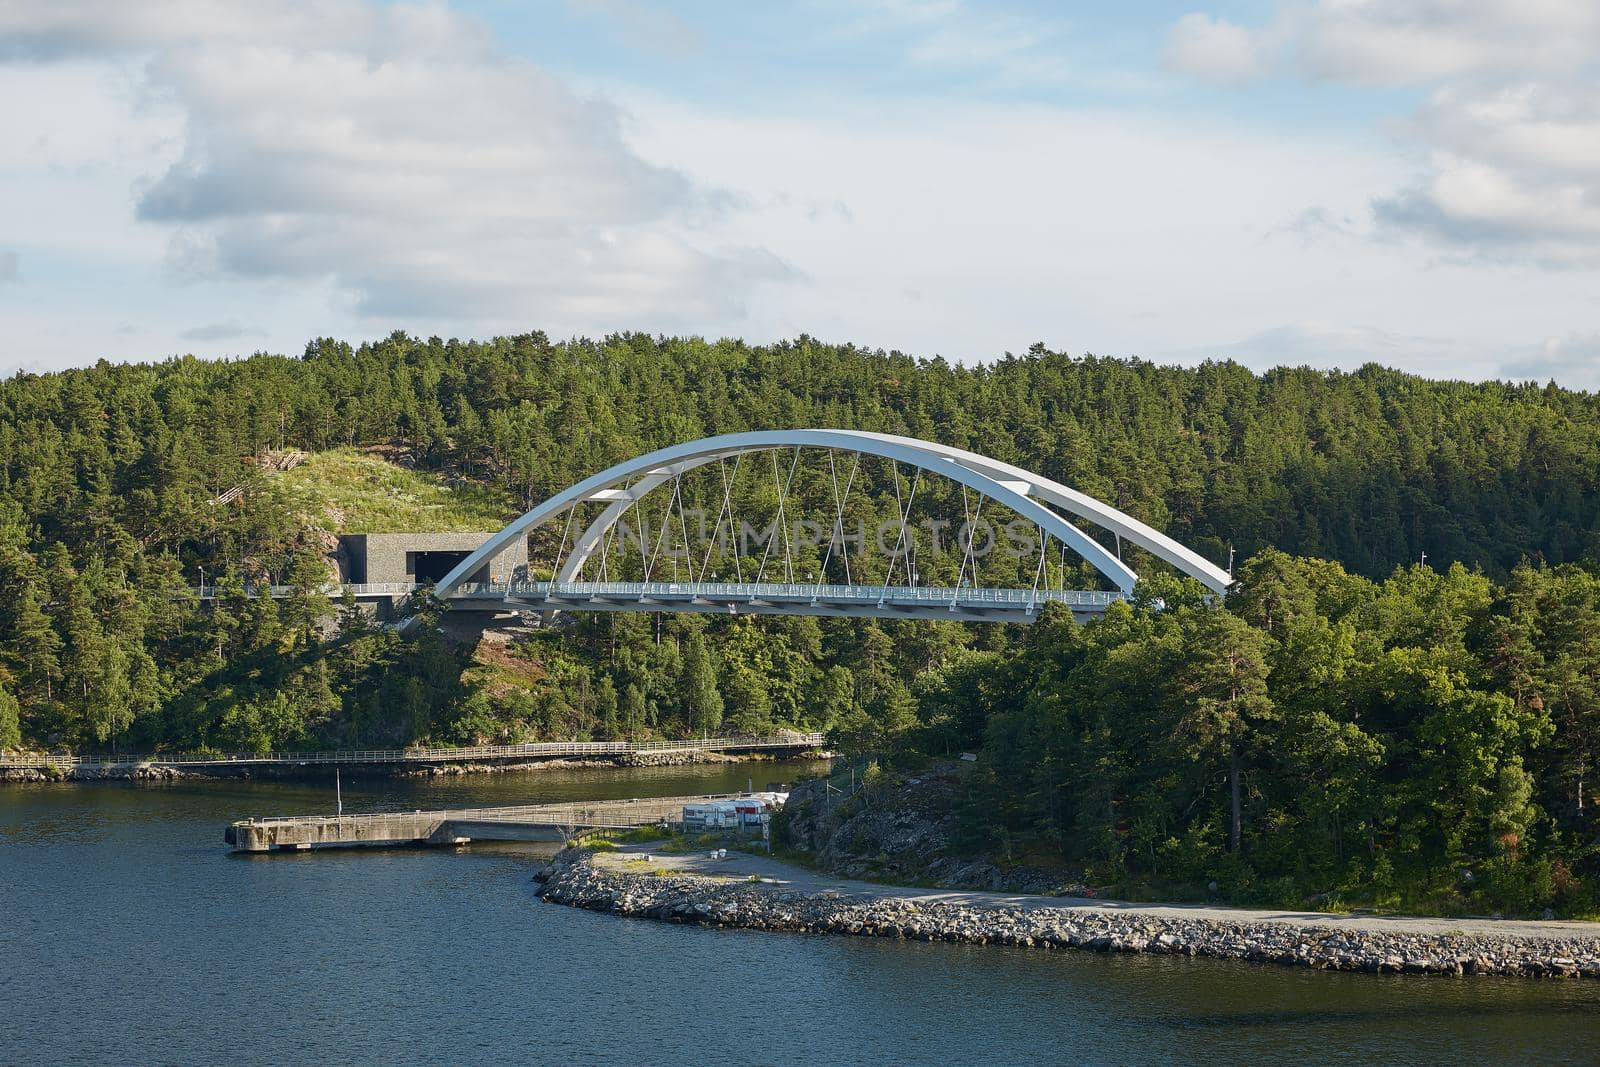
(779, 598)
(529, 822)
(971, 603)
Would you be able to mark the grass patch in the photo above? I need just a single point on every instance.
(347, 490)
(681, 843)
(641, 835)
(600, 844)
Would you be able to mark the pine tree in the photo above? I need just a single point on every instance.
(1224, 700)
(701, 699)
(10, 720)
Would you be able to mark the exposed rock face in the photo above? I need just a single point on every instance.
(675, 759)
(572, 880)
(632, 759)
(903, 833)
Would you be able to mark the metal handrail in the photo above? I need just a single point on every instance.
(549, 814)
(809, 592)
(778, 591)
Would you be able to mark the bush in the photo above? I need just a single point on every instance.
(1518, 887)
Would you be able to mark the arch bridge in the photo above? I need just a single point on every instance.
(611, 558)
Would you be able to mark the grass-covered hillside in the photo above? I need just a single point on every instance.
(349, 490)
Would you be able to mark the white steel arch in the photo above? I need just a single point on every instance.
(1023, 492)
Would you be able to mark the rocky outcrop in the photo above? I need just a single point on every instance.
(680, 759)
(902, 831)
(572, 879)
(632, 759)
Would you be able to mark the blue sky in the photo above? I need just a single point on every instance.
(1286, 181)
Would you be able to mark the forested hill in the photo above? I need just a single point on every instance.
(115, 497)
(1380, 731)
(1371, 468)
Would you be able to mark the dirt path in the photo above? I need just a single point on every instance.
(740, 865)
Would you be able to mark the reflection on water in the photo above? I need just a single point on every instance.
(129, 935)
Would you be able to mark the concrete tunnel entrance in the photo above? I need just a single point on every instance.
(431, 566)
(422, 557)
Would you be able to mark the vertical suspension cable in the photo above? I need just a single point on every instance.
(833, 476)
(733, 532)
(1040, 570)
(562, 547)
(899, 513)
(838, 520)
(968, 553)
(683, 524)
(642, 533)
(705, 563)
(905, 529)
(666, 524)
(782, 520)
(726, 508)
(605, 546)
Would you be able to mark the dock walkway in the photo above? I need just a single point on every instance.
(546, 750)
(529, 822)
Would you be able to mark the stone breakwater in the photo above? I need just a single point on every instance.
(138, 773)
(572, 879)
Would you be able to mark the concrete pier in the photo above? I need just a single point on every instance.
(534, 822)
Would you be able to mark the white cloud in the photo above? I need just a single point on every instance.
(395, 154)
(1509, 135)
(986, 46)
(1317, 343)
(1412, 42)
(227, 330)
(1513, 170)
(10, 273)
(643, 27)
(1215, 50)
(1391, 42)
(979, 229)
(1572, 360)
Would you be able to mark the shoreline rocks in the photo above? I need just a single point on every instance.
(154, 772)
(572, 879)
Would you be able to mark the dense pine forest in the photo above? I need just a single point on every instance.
(1353, 722)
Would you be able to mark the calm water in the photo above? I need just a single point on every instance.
(128, 935)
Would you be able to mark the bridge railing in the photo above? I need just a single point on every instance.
(439, 754)
(332, 591)
(795, 591)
